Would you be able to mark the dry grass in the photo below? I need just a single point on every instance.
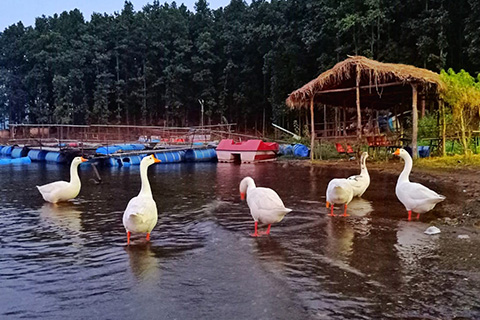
(372, 72)
(450, 162)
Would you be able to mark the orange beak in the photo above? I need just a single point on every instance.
(397, 152)
(242, 195)
(155, 159)
(83, 159)
(328, 204)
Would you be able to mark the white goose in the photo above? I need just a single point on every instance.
(141, 216)
(339, 191)
(264, 203)
(360, 182)
(414, 196)
(62, 190)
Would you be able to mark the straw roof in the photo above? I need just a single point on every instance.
(374, 75)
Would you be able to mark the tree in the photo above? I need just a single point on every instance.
(463, 96)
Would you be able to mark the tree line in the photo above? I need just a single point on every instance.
(161, 64)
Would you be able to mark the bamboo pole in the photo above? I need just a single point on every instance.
(444, 129)
(414, 120)
(325, 132)
(359, 113)
(312, 134)
(422, 105)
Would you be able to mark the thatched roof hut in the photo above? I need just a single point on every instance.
(376, 85)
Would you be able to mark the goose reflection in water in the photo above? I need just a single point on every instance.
(144, 264)
(341, 233)
(413, 244)
(64, 215)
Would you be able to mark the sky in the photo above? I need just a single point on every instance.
(13, 11)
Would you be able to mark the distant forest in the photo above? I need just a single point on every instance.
(157, 65)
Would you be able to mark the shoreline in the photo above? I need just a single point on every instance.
(464, 181)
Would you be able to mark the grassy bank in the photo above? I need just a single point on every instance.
(455, 161)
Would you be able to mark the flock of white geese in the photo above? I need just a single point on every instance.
(265, 205)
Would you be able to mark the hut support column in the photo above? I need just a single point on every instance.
(359, 113)
(312, 133)
(414, 121)
(444, 129)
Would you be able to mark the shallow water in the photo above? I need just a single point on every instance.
(70, 260)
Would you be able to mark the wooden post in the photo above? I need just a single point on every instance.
(344, 121)
(414, 120)
(312, 133)
(359, 113)
(335, 124)
(325, 132)
(422, 106)
(444, 129)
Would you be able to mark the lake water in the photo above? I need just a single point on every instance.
(71, 260)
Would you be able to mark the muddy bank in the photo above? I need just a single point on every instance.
(463, 208)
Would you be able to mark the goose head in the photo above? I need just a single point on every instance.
(244, 184)
(402, 153)
(149, 160)
(77, 160)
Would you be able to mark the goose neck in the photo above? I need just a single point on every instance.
(404, 176)
(74, 178)
(363, 166)
(145, 190)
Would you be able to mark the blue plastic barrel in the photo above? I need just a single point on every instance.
(55, 157)
(200, 155)
(132, 160)
(37, 155)
(7, 151)
(423, 151)
(107, 150)
(300, 150)
(170, 156)
(115, 162)
(5, 161)
(1, 147)
(19, 152)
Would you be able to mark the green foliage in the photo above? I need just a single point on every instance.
(463, 97)
(428, 126)
(151, 66)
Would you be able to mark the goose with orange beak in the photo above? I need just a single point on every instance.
(414, 196)
(265, 205)
(141, 215)
(59, 191)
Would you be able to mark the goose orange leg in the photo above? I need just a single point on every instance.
(345, 211)
(331, 211)
(128, 237)
(268, 229)
(418, 216)
(256, 230)
(409, 215)
(148, 236)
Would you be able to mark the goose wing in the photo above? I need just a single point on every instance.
(53, 186)
(144, 209)
(265, 199)
(418, 191)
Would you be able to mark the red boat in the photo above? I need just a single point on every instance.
(247, 151)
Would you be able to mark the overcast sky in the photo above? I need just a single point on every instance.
(13, 11)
